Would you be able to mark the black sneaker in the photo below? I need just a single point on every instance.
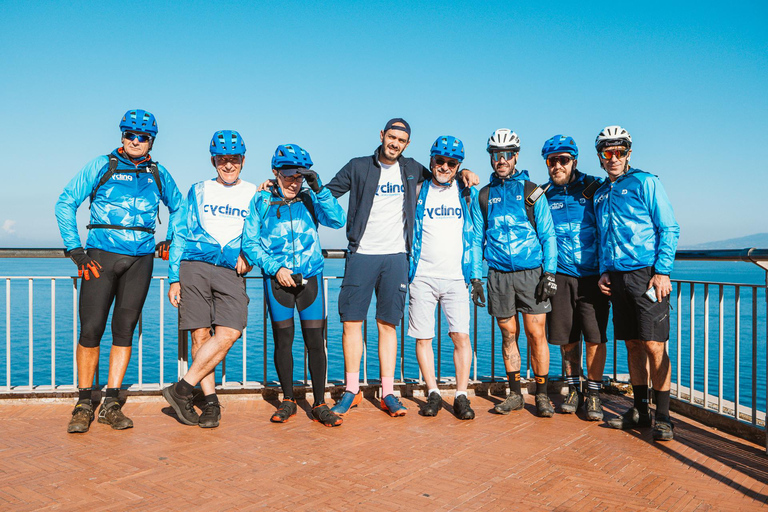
(82, 416)
(513, 402)
(322, 414)
(461, 408)
(211, 415)
(594, 408)
(572, 402)
(185, 409)
(283, 413)
(544, 408)
(111, 413)
(433, 405)
(663, 429)
(631, 419)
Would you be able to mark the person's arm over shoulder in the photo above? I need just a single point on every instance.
(251, 239)
(477, 241)
(77, 190)
(327, 209)
(546, 232)
(342, 182)
(663, 218)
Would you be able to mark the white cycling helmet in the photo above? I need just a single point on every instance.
(613, 136)
(502, 139)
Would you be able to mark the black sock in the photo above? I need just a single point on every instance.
(514, 382)
(112, 393)
(84, 394)
(541, 384)
(641, 398)
(662, 403)
(184, 388)
(213, 398)
(313, 339)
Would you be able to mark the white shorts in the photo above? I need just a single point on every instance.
(424, 293)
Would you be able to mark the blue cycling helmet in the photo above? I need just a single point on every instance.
(138, 120)
(560, 144)
(451, 147)
(291, 155)
(227, 142)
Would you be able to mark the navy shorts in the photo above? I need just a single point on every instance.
(635, 316)
(386, 274)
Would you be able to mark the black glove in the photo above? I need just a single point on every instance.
(478, 295)
(546, 287)
(86, 266)
(162, 249)
(312, 179)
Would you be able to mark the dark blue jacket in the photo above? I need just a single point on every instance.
(360, 177)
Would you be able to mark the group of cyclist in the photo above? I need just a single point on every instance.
(559, 253)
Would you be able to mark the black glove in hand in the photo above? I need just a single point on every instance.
(546, 287)
(312, 179)
(478, 295)
(162, 249)
(86, 266)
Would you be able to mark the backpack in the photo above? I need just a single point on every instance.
(302, 196)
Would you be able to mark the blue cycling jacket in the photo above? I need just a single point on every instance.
(193, 242)
(636, 224)
(126, 199)
(472, 262)
(575, 226)
(285, 235)
(510, 243)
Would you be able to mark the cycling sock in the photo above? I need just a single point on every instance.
(641, 398)
(353, 382)
(84, 394)
(313, 339)
(283, 357)
(112, 393)
(662, 403)
(184, 388)
(213, 398)
(541, 384)
(572, 380)
(387, 386)
(594, 386)
(514, 382)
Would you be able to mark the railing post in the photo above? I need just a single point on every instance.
(182, 360)
(53, 334)
(31, 336)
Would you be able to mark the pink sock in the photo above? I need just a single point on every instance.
(387, 386)
(353, 381)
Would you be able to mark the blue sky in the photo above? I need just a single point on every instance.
(688, 80)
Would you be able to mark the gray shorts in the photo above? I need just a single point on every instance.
(210, 296)
(510, 292)
(425, 293)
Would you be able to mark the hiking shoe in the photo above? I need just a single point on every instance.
(630, 419)
(594, 408)
(433, 405)
(211, 415)
(82, 416)
(111, 413)
(322, 414)
(392, 405)
(283, 413)
(461, 408)
(663, 429)
(513, 402)
(544, 407)
(572, 402)
(185, 410)
(347, 401)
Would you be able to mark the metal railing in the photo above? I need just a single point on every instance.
(719, 347)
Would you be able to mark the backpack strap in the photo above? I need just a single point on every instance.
(482, 198)
(591, 184)
(306, 199)
(532, 194)
(112, 167)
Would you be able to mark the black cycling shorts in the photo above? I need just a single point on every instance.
(124, 280)
(579, 309)
(635, 316)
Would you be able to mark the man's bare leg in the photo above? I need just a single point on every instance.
(199, 338)
(535, 331)
(510, 332)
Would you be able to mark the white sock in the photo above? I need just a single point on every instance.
(459, 393)
(434, 390)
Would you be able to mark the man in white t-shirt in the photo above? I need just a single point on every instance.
(205, 272)
(443, 264)
(380, 220)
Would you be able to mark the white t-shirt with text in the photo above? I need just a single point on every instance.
(223, 209)
(441, 241)
(385, 231)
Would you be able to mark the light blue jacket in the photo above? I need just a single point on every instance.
(636, 224)
(129, 198)
(472, 262)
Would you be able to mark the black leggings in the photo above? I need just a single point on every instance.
(124, 280)
(312, 330)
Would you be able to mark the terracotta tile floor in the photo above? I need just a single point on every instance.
(372, 462)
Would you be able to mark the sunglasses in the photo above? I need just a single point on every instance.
(131, 136)
(506, 155)
(618, 153)
(452, 164)
(291, 179)
(561, 159)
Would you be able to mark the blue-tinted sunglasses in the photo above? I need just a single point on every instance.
(141, 136)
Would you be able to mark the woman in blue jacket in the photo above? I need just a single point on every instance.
(280, 236)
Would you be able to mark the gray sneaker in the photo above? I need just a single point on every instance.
(594, 408)
(572, 401)
(82, 416)
(111, 413)
(513, 402)
(211, 415)
(544, 406)
(183, 405)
